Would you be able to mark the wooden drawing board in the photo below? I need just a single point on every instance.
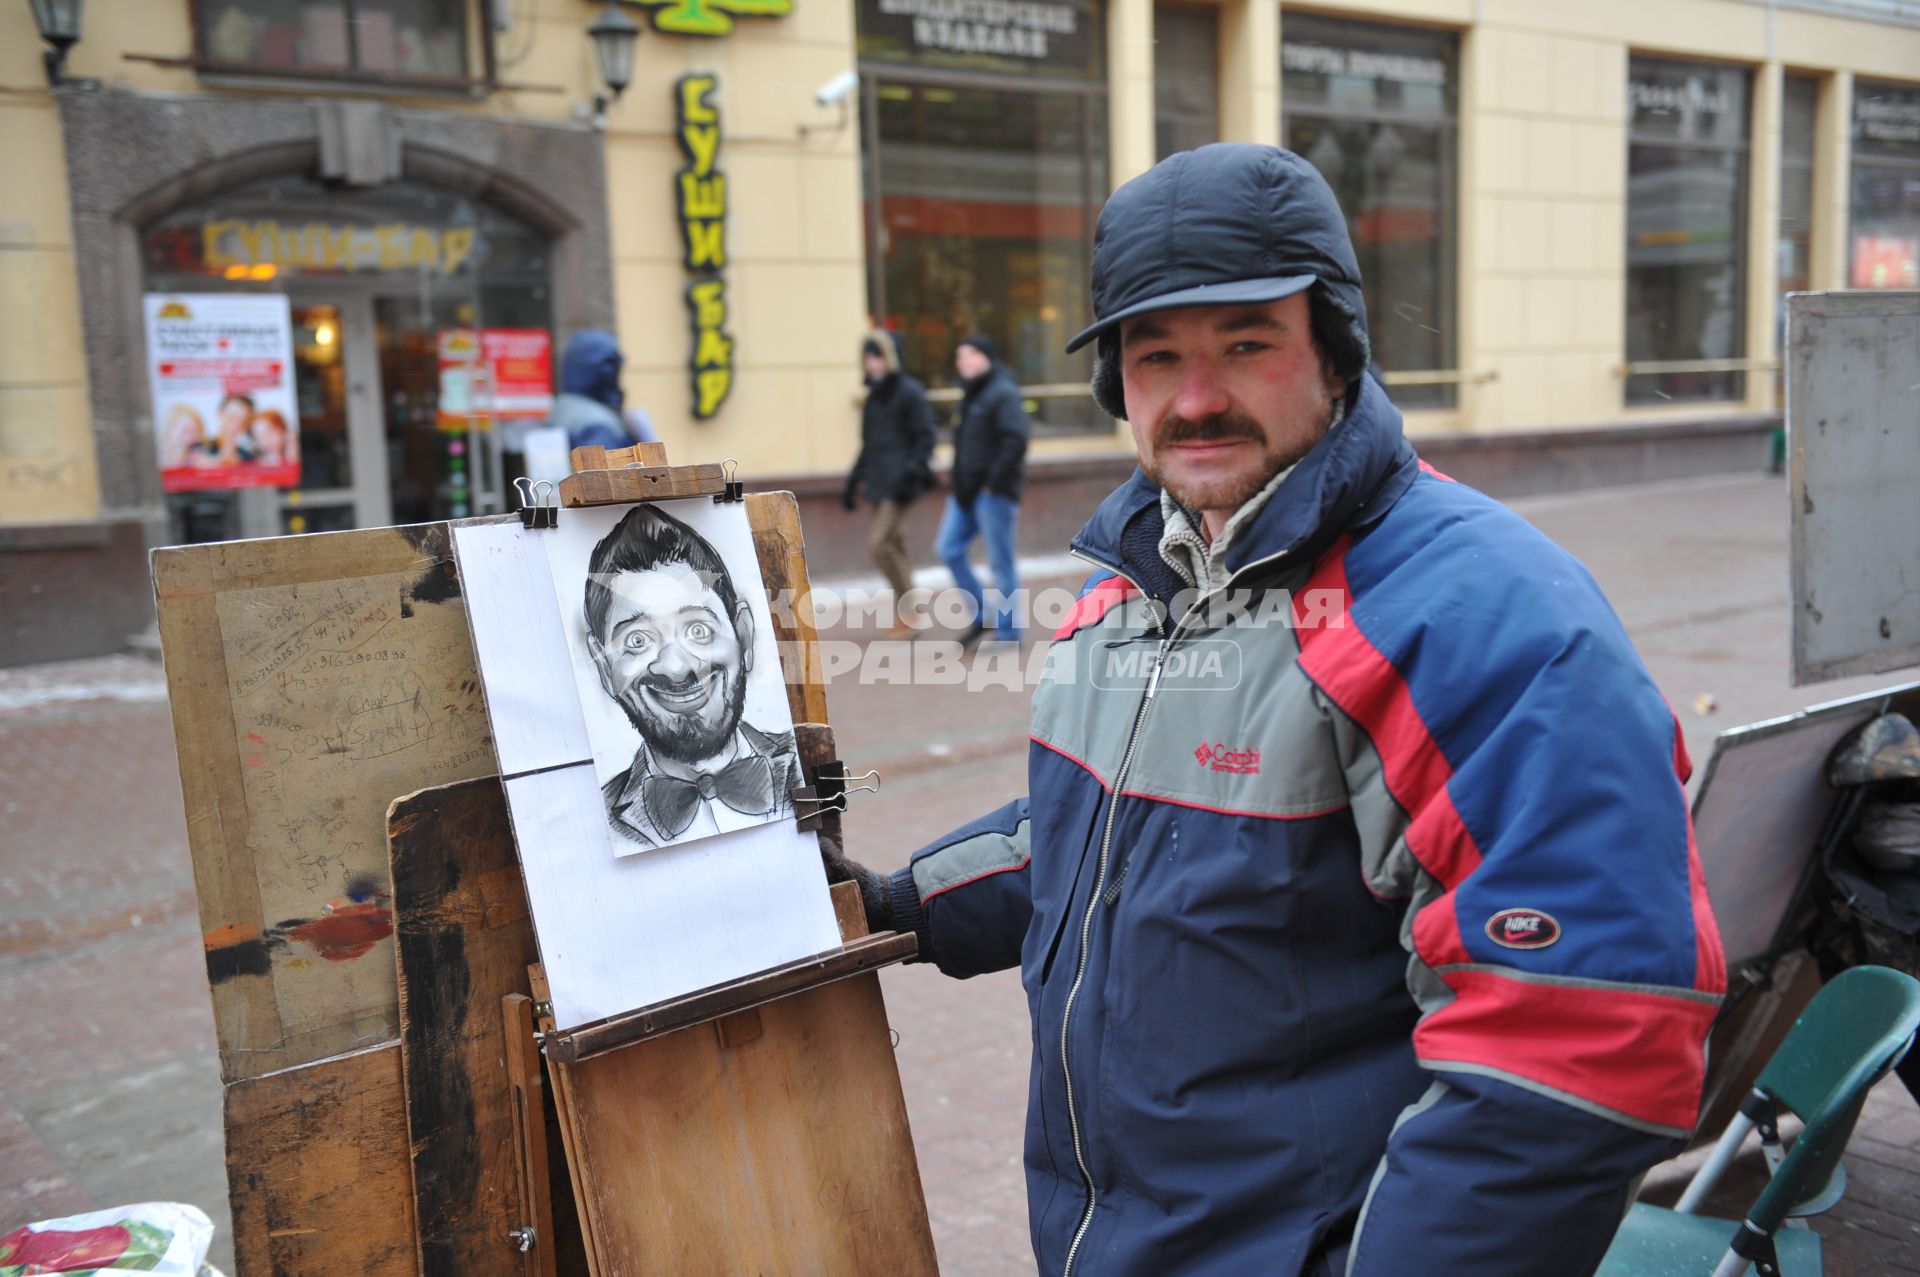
(312, 679)
(815, 1171)
(464, 943)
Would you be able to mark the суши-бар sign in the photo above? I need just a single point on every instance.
(707, 17)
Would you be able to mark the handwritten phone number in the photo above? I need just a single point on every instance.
(341, 660)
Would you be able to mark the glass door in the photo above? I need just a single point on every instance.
(343, 464)
(444, 451)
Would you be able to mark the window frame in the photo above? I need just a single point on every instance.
(479, 31)
(1443, 383)
(1743, 234)
(1188, 11)
(1096, 160)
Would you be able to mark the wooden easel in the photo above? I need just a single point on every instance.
(386, 1108)
(774, 1140)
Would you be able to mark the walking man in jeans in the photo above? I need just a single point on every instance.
(989, 472)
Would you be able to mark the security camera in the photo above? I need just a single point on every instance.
(836, 89)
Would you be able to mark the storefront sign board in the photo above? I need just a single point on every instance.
(221, 370)
(700, 193)
(1061, 36)
(1886, 119)
(228, 244)
(708, 17)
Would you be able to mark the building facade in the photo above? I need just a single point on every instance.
(1576, 222)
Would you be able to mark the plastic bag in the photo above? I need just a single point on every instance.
(166, 1239)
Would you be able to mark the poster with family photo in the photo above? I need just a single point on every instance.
(677, 669)
(220, 367)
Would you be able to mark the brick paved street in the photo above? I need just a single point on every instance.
(109, 1089)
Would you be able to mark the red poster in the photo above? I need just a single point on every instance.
(521, 363)
(494, 374)
(1886, 261)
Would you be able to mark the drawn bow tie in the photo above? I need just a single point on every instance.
(745, 784)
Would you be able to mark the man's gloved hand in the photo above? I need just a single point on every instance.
(872, 883)
(849, 497)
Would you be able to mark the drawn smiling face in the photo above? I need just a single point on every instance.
(673, 659)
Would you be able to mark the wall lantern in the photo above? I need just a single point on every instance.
(59, 23)
(614, 35)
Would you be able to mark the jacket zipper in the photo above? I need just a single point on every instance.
(1100, 879)
(1086, 931)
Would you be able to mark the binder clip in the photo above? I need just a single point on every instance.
(735, 489)
(831, 785)
(539, 507)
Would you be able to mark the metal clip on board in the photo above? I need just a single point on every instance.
(735, 489)
(829, 792)
(539, 507)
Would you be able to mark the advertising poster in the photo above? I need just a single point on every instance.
(221, 367)
(494, 374)
(1886, 261)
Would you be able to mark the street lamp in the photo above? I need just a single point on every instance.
(59, 23)
(614, 35)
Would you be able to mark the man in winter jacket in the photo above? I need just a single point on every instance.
(1354, 896)
(989, 472)
(893, 468)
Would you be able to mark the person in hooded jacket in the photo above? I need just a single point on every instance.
(1354, 895)
(590, 404)
(894, 466)
(989, 474)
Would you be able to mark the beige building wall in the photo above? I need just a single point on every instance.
(796, 285)
(47, 472)
(1542, 203)
(796, 288)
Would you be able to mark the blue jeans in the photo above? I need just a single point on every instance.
(998, 517)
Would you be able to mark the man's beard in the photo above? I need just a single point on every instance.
(687, 738)
(1228, 492)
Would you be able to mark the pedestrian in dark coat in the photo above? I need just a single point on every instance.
(894, 467)
(989, 474)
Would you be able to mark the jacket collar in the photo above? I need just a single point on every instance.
(1347, 481)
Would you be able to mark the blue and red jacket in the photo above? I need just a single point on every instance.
(1357, 910)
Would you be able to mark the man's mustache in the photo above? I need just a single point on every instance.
(1215, 429)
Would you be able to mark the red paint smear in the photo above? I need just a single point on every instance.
(347, 932)
(258, 739)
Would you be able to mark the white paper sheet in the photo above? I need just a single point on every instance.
(531, 699)
(618, 933)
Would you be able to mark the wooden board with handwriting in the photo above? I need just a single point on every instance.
(312, 680)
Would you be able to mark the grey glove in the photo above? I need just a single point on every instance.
(875, 899)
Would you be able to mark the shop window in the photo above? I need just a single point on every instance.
(1687, 143)
(983, 189)
(1799, 106)
(382, 283)
(396, 40)
(1885, 250)
(1375, 109)
(1186, 60)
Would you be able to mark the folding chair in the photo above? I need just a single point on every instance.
(1854, 1031)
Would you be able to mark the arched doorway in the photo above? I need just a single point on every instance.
(403, 298)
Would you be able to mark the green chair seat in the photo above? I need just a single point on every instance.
(1662, 1243)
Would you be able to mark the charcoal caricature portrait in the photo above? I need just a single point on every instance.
(673, 644)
